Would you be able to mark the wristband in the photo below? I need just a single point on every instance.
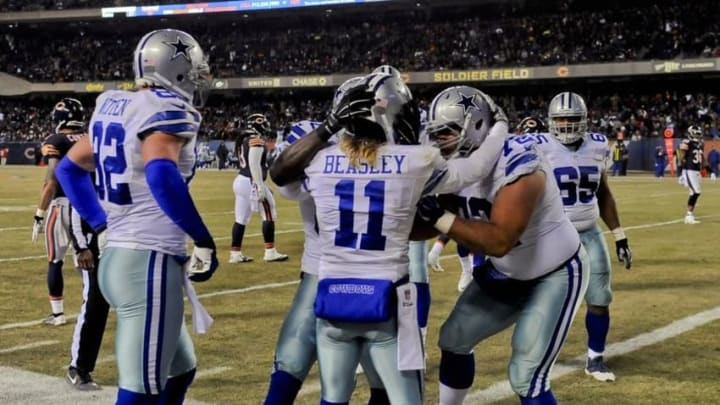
(40, 213)
(444, 223)
(619, 233)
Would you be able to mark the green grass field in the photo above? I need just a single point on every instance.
(675, 275)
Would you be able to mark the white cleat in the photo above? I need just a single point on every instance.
(272, 255)
(465, 280)
(55, 320)
(434, 262)
(690, 220)
(237, 257)
(359, 369)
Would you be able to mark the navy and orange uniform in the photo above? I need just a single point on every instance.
(56, 146)
(693, 155)
(242, 149)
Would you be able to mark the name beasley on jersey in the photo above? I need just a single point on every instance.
(389, 164)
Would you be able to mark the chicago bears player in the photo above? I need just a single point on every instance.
(578, 159)
(692, 160)
(68, 119)
(536, 269)
(251, 191)
(142, 152)
(530, 125)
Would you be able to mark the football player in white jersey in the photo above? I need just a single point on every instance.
(144, 143)
(371, 180)
(578, 159)
(295, 351)
(536, 269)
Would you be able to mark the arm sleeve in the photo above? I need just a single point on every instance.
(173, 196)
(255, 155)
(79, 188)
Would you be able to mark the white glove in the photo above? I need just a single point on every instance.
(259, 192)
(203, 262)
(434, 261)
(38, 220)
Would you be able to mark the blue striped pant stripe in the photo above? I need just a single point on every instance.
(154, 322)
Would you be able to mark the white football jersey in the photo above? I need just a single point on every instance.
(135, 219)
(578, 175)
(549, 239)
(312, 250)
(365, 213)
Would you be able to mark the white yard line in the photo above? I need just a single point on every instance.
(28, 346)
(202, 373)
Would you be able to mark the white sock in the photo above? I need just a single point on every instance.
(437, 248)
(57, 306)
(467, 264)
(593, 354)
(452, 396)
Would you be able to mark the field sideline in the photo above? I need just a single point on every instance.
(663, 340)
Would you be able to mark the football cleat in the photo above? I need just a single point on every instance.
(55, 320)
(272, 255)
(598, 370)
(81, 381)
(237, 257)
(359, 369)
(465, 280)
(690, 220)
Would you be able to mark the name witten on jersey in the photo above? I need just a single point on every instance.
(118, 125)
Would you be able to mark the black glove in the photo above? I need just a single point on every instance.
(429, 209)
(624, 253)
(356, 102)
(203, 262)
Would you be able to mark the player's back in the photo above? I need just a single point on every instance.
(365, 213)
(693, 155)
(120, 119)
(577, 173)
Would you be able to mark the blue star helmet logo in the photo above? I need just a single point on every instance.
(181, 48)
(467, 103)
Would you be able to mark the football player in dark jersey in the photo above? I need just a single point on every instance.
(62, 228)
(68, 119)
(692, 160)
(251, 191)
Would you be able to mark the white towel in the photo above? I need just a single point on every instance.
(201, 319)
(410, 348)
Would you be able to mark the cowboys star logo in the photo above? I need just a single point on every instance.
(181, 48)
(467, 103)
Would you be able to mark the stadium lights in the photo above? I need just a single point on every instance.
(221, 7)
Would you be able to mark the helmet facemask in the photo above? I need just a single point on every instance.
(568, 130)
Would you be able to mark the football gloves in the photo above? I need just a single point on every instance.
(496, 110)
(624, 253)
(203, 261)
(357, 101)
(37, 228)
(259, 190)
(429, 209)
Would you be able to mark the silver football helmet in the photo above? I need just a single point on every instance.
(387, 70)
(174, 60)
(567, 117)
(695, 133)
(459, 121)
(383, 110)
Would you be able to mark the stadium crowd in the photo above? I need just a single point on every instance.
(320, 44)
(636, 115)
